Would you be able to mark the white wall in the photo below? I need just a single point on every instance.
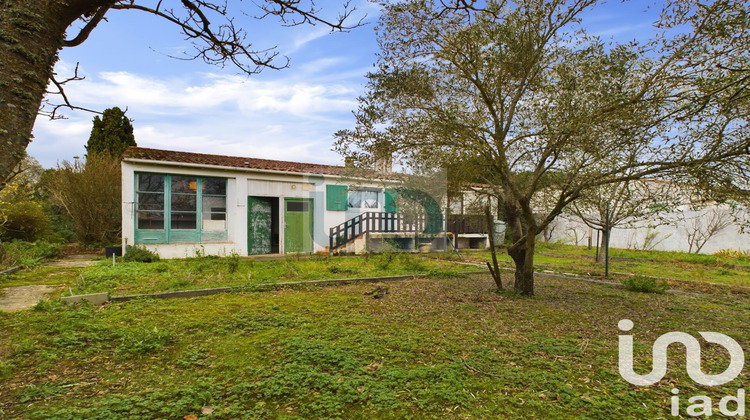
(669, 234)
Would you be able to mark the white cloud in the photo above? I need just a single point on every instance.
(282, 118)
(304, 39)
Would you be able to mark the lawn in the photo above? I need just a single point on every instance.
(207, 271)
(431, 348)
(723, 269)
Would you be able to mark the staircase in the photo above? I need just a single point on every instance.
(374, 222)
(422, 225)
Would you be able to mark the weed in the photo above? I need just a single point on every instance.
(233, 262)
(193, 357)
(38, 392)
(645, 284)
(139, 254)
(737, 254)
(144, 340)
(338, 269)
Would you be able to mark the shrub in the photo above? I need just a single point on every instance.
(24, 220)
(233, 262)
(28, 254)
(139, 254)
(645, 284)
(90, 193)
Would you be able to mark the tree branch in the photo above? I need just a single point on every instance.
(92, 23)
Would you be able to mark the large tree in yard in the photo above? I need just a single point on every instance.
(546, 112)
(32, 32)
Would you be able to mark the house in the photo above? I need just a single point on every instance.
(181, 204)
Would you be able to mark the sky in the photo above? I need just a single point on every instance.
(288, 114)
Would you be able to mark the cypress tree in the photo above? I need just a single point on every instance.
(111, 134)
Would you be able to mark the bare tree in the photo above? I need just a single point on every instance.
(33, 31)
(705, 224)
(624, 204)
(90, 192)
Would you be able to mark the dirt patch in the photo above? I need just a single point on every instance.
(21, 297)
(83, 260)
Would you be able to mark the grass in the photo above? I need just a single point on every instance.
(432, 348)
(724, 269)
(206, 271)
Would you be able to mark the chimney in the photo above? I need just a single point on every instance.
(383, 158)
(349, 161)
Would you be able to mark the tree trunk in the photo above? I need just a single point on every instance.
(494, 268)
(31, 33)
(523, 256)
(602, 245)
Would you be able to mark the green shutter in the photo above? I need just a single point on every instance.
(390, 201)
(336, 197)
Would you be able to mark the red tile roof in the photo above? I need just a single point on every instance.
(229, 161)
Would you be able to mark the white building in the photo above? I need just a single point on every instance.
(180, 204)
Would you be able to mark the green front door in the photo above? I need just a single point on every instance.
(298, 230)
(259, 222)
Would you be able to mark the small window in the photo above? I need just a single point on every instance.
(363, 199)
(297, 206)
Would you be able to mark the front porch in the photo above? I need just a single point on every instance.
(386, 231)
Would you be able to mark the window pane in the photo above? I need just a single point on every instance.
(297, 206)
(215, 224)
(150, 220)
(183, 221)
(369, 199)
(355, 199)
(184, 184)
(150, 201)
(214, 186)
(151, 182)
(214, 208)
(183, 202)
(363, 199)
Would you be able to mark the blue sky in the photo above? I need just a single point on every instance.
(289, 114)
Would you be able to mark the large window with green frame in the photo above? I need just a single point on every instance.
(180, 208)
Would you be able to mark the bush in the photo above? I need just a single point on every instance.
(29, 254)
(24, 220)
(90, 194)
(645, 284)
(139, 254)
